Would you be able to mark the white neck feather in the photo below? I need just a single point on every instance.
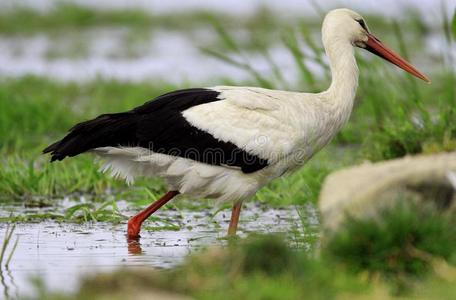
(344, 71)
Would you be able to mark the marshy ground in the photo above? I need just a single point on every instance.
(67, 63)
(60, 253)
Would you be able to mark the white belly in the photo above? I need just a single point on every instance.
(195, 179)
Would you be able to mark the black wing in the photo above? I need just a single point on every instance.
(160, 126)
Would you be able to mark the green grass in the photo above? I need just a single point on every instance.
(401, 243)
(64, 17)
(67, 16)
(35, 112)
(106, 211)
(5, 260)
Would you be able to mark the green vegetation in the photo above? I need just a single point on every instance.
(67, 17)
(34, 112)
(78, 213)
(47, 109)
(402, 243)
(6, 242)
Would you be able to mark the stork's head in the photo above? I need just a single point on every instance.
(348, 26)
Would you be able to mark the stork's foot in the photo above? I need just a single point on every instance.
(134, 224)
(133, 228)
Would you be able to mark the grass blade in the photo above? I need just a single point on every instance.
(8, 233)
(10, 256)
(292, 44)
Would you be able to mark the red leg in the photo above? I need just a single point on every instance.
(134, 224)
(236, 211)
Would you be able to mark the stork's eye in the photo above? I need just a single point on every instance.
(363, 24)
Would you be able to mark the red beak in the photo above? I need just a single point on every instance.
(378, 48)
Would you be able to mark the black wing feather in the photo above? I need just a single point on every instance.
(160, 126)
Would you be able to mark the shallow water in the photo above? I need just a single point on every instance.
(104, 55)
(169, 55)
(61, 253)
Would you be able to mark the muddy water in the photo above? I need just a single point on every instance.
(59, 254)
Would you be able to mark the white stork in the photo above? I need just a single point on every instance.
(227, 142)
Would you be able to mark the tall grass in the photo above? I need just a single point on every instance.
(34, 111)
(6, 243)
(68, 16)
(64, 17)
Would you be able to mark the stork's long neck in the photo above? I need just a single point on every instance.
(344, 71)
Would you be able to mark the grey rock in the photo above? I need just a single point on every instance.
(362, 190)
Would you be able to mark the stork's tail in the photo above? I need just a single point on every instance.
(105, 130)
